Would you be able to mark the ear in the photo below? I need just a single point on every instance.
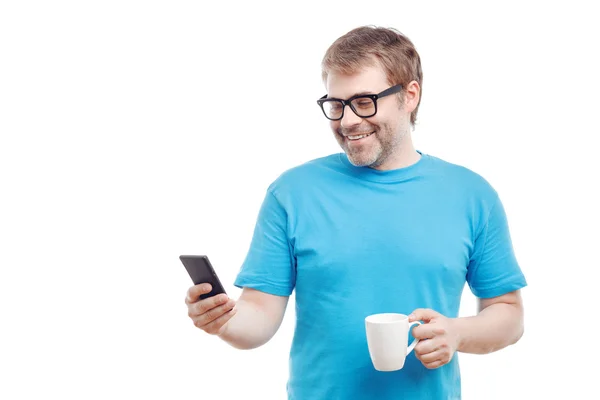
(412, 94)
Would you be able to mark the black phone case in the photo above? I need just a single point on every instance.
(201, 271)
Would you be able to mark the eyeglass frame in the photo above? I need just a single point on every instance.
(374, 97)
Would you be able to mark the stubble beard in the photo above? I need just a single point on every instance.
(386, 142)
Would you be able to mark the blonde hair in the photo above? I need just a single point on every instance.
(391, 49)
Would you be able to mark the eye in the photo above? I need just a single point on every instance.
(363, 103)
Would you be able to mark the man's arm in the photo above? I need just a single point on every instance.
(499, 323)
(256, 321)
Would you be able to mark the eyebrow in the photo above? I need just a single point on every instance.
(361, 93)
(355, 94)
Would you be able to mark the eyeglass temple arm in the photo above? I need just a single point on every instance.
(391, 90)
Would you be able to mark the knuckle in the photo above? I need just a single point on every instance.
(197, 323)
(223, 309)
(203, 307)
(210, 315)
(215, 301)
(197, 309)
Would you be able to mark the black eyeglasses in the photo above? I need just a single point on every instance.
(363, 105)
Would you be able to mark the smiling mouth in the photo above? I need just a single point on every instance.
(358, 137)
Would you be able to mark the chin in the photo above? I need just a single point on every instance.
(361, 161)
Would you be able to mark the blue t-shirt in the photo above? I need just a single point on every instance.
(354, 241)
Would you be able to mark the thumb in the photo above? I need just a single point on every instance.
(423, 314)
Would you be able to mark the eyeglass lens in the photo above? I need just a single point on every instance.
(362, 106)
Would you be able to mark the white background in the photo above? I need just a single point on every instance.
(136, 131)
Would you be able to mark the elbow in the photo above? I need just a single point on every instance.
(519, 326)
(519, 329)
(246, 345)
(245, 341)
(519, 333)
(242, 342)
(242, 346)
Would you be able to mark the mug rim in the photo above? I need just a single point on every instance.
(374, 318)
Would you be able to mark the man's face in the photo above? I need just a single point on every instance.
(385, 130)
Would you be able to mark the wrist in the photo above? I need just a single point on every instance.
(224, 332)
(459, 334)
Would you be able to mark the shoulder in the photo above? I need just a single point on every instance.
(306, 174)
(462, 178)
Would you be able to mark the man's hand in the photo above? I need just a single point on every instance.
(211, 314)
(438, 336)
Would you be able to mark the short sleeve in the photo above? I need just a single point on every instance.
(269, 265)
(493, 268)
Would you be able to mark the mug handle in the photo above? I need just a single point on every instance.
(414, 342)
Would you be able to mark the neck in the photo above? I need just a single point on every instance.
(402, 156)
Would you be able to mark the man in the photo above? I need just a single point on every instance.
(381, 227)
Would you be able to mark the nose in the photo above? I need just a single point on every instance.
(350, 118)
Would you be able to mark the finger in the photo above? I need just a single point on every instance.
(423, 314)
(435, 364)
(425, 331)
(215, 327)
(426, 347)
(194, 293)
(202, 306)
(429, 358)
(215, 312)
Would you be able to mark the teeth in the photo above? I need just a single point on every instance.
(358, 137)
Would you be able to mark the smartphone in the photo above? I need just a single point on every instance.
(201, 271)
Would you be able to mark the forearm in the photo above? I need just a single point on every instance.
(250, 327)
(495, 327)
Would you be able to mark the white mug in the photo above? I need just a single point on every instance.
(387, 338)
